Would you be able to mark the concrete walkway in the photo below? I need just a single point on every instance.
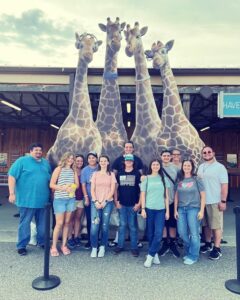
(113, 277)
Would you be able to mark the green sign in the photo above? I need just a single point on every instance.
(229, 105)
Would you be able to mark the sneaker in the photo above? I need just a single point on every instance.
(215, 254)
(77, 241)
(135, 252)
(22, 251)
(118, 250)
(206, 248)
(71, 243)
(87, 246)
(140, 245)
(164, 249)
(174, 250)
(189, 261)
(94, 252)
(148, 262)
(101, 251)
(156, 260)
(112, 244)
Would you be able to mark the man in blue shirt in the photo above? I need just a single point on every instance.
(28, 183)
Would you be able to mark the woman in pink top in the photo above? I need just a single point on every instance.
(103, 184)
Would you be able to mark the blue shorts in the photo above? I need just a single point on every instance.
(61, 206)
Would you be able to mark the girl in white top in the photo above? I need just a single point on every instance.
(64, 182)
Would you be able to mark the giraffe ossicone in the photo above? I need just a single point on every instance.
(148, 123)
(79, 133)
(177, 132)
(109, 117)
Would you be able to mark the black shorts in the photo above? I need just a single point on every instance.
(171, 222)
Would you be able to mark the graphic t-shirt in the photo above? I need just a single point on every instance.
(128, 187)
(188, 191)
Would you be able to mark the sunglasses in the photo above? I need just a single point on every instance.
(207, 152)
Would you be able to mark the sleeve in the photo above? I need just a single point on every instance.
(143, 185)
(223, 175)
(167, 182)
(16, 168)
(200, 184)
(93, 178)
(83, 177)
(199, 171)
(113, 178)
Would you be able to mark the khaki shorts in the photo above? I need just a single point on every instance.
(213, 217)
(79, 204)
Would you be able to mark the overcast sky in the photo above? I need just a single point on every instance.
(42, 33)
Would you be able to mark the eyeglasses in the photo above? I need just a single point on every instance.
(207, 152)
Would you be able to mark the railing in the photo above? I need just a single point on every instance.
(3, 179)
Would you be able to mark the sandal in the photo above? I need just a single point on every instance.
(65, 250)
(54, 252)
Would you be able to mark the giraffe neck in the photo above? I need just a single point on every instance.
(110, 61)
(141, 65)
(81, 100)
(171, 95)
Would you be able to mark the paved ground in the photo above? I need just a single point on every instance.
(121, 277)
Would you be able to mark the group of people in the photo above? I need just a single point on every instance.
(174, 199)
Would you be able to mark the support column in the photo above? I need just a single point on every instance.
(71, 87)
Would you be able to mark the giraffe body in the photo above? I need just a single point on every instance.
(148, 123)
(109, 118)
(79, 133)
(177, 132)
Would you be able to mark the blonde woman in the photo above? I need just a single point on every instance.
(64, 182)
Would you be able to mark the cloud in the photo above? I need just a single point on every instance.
(34, 30)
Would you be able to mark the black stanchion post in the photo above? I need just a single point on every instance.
(46, 282)
(233, 285)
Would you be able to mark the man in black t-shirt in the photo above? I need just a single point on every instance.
(128, 203)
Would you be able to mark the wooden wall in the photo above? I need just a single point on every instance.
(15, 142)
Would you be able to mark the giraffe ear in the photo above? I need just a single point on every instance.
(169, 45)
(123, 25)
(143, 30)
(102, 27)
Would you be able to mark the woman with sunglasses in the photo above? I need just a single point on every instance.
(155, 207)
(189, 207)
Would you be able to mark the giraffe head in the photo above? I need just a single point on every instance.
(113, 30)
(159, 53)
(87, 44)
(133, 38)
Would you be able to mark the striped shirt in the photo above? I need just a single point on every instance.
(66, 176)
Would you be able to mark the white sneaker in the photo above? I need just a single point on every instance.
(148, 262)
(156, 260)
(101, 251)
(94, 252)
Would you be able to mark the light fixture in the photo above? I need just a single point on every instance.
(11, 105)
(205, 128)
(129, 124)
(54, 126)
(128, 108)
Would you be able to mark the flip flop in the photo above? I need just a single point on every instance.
(65, 250)
(54, 252)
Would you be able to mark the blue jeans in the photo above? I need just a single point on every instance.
(26, 215)
(189, 230)
(100, 219)
(155, 225)
(128, 217)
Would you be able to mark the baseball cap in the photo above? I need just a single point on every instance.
(128, 157)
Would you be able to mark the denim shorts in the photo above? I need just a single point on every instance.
(61, 206)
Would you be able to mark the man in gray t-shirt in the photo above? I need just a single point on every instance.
(169, 233)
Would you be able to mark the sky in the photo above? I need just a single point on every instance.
(41, 33)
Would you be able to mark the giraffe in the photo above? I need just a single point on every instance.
(79, 133)
(178, 132)
(148, 123)
(109, 118)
